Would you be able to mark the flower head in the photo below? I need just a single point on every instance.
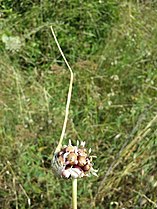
(73, 161)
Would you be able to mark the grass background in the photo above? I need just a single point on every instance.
(111, 47)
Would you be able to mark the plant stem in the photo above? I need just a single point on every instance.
(69, 93)
(74, 193)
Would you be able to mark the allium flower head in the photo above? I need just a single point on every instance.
(73, 161)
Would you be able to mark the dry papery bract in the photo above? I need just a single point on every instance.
(73, 161)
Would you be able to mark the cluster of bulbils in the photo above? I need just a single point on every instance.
(73, 161)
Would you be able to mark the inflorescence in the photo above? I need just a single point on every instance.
(73, 161)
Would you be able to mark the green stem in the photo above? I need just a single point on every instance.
(74, 193)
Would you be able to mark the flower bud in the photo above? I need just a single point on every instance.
(70, 149)
(82, 161)
(72, 158)
(86, 167)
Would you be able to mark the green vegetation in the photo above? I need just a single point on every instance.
(112, 50)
